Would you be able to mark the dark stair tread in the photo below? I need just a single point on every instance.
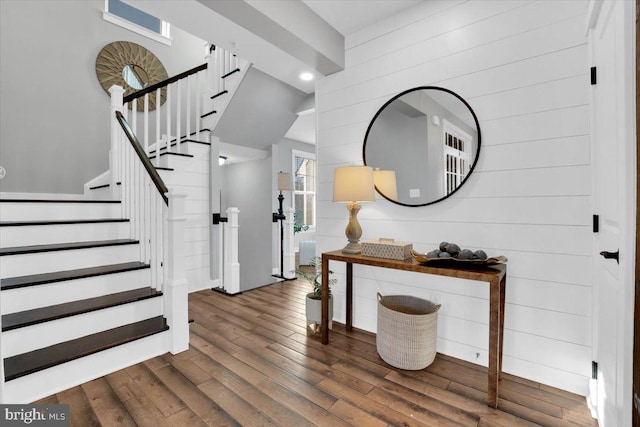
(219, 94)
(162, 168)
(103, 186)
(171, 153)
(57, 354)
(59, 311)
(56, 201)
(60, 222)
(193, 141)
(174, 143)
(61, 276)
(19, 250)
(230, 73)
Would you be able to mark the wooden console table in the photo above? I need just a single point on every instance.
(496, 276)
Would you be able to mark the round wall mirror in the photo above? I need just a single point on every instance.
(427, 140)
(133, 67)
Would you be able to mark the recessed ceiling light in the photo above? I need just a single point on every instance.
(306, 76)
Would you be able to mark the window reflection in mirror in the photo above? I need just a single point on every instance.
(430, 137)
(135, 76)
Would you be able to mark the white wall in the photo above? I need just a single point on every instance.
(522, 66)
(53, 109)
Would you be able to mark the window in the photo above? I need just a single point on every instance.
(304, 188)
(457, 145)
(140, 22)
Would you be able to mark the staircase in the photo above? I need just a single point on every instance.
(91, 286)
(73, 293)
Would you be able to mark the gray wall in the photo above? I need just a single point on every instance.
(54, 115)
(248, 187)
(398, 142)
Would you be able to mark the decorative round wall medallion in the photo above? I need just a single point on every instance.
(133, 67)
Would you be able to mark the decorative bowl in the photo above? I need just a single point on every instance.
(423, 259)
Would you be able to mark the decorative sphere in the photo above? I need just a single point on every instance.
(444, 255)
(443, 246)
(480, 254)
(453, 249)
(433, 254)
(465, 254)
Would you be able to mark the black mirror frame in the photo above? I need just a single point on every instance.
(475, 160)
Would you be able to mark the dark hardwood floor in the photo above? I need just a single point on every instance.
(251, 363)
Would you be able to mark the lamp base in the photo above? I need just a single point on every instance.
(352, 248)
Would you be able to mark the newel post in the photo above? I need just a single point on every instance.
(176, 289)
(289, 263)
(231, 273)
(117, 93)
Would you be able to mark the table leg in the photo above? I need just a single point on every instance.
(494, 342)
(349, 296)
(324, 322)
(503, 285)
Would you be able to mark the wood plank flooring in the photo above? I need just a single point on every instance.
(251, 363)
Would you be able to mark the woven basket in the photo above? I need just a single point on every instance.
(407, 328)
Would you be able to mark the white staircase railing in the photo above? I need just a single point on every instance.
(189, 101)
(156, 217)
(187, 108)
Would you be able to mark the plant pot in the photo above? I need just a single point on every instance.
(313, 311)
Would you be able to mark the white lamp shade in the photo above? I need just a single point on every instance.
(385, 182)
(353, 184)
(284, 181)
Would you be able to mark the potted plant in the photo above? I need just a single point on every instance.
(313, 300)
(297, 227)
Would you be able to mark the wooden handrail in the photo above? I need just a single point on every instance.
(163, 83)
(151, 170)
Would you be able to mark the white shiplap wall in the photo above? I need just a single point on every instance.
(192, 177)
(523, 67)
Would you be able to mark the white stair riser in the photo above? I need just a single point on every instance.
(199, 149)
(62, 233)
(198, 165)
(173, 161)
(34, 337)
(62, 377)
(105, 193)
(47, 262)
(27, 298)
(24, 211)
(183, 178)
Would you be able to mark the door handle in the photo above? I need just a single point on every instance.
(612, 255)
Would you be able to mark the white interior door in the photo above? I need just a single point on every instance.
(615, 204)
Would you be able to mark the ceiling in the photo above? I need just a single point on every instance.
(281, 38)
(350, 16)
(346, 17)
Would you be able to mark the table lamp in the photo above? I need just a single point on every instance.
(353, 184)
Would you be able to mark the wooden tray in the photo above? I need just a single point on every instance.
(423, 259)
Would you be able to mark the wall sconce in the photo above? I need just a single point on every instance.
(385, 182)
(353, 184)
(285, 183)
